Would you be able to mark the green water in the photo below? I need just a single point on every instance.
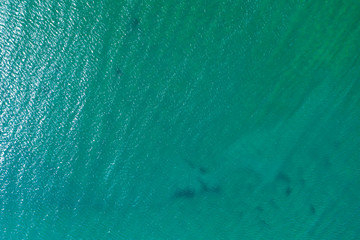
(179, 119)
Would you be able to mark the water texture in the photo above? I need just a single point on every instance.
(179, 120)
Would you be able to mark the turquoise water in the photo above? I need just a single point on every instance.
(179, 119)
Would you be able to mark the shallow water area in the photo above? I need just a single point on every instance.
(179, 120)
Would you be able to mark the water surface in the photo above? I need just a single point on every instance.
(179, 120)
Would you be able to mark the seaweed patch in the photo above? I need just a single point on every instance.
(185, 193)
